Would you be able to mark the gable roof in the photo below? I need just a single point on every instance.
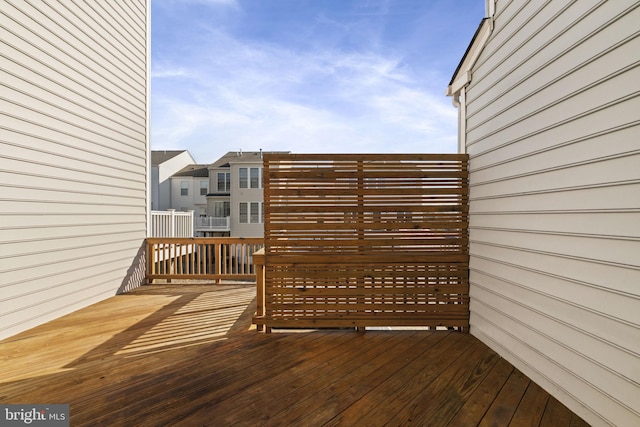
(462, 76)
(161, 156)
(199, 171)
(240, 156)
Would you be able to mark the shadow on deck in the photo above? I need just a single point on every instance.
(187, 355)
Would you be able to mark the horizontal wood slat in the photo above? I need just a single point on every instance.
(365, 240)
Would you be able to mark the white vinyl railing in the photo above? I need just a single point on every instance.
(213, 223)
(170, 223)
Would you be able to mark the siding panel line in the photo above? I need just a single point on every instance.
(126, 101)
(79, 67)
(564, 144)
(64, 26)
(542, 48)
(558, 79)
(557, 254)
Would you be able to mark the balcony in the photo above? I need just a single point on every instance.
(212, 224)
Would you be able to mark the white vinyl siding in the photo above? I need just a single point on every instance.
(73, 155)
(552, 130)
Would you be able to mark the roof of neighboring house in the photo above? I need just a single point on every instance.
(240, 156)
(161, 156)
(193, 170)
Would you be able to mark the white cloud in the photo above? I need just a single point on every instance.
(233, 3)
(261, 95)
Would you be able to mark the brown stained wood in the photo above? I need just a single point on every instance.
(438, 402)
(217, 388)
(347, 384)
(531, 407)
(289, 385)
(405, 386)
(201, 258)
(555, 414)
(185, 355)
(576, 421)
(476, 406)
(359, 223)
(502, 409)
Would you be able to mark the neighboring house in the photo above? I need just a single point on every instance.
(218, 220)
(235, 182)
(165, 163)
(189, 189)
(74, 155)
(247, 197)
(549, 100)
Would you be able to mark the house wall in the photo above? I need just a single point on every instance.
(163, 183)
(239, 195)
(553, 134)
(73, 155)
(194, 201)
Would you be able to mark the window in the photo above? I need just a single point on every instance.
(251, 213)
(242, 177)
(184, 188)
(243, 218)
(204, 188)
(255, 213)
(221, 209)
(255, 177)
(249, 177)
(224, 182)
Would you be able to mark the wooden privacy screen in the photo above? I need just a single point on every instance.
(365, 240)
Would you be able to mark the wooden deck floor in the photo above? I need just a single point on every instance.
(187, 355)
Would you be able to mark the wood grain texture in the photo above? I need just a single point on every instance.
(185, 355)
(363, 240)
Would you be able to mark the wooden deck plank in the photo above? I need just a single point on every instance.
(529, 411)
(349, 385)
(440, 400)
(476, 407)
(402, 386)
(281, 390)
(503, 407)
(185, 355)
(555, 414)
(209, 382)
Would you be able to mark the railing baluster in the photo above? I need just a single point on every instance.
(211, 258)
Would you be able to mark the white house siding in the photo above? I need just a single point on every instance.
(73, 155)
(553, 134)
(160, 179)
(245, 195)
(193, 201)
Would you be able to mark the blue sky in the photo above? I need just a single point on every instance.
(306, 76)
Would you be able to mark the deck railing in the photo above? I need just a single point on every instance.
(213, 223)
(206, 258)
(171, 223)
